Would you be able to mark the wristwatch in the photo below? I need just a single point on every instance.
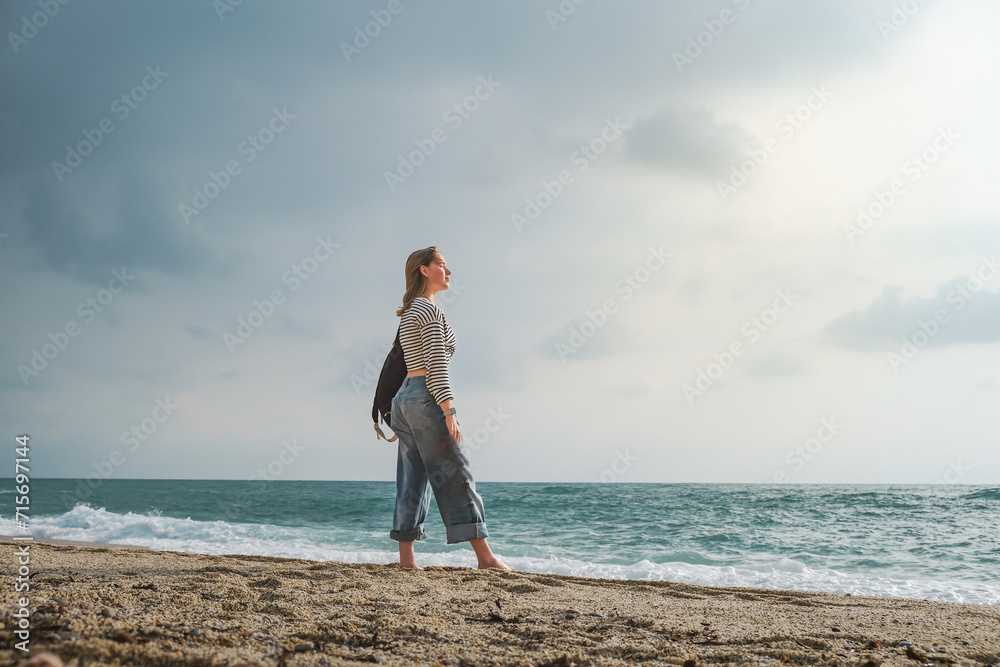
(450, 411)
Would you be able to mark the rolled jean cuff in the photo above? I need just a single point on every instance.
(464, 532)
(409, 535)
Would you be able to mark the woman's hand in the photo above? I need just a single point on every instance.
(451, 420)
(453, 428)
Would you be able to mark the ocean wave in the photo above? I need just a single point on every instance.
(95, 524)
(983, 494)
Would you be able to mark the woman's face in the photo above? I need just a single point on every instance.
(437, 274)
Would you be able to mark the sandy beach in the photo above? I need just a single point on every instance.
(97, 605)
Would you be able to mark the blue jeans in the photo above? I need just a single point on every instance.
(429, 458)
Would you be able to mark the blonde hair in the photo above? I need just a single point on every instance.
(416, 281)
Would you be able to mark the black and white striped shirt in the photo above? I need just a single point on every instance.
(428, 342)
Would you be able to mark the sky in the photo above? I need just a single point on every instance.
(730, 241)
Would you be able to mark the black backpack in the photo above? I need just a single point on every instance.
(389, 382)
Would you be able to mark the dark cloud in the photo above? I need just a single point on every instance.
(134, 229)
(324, 175)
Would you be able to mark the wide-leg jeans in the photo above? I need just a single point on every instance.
(430, 459)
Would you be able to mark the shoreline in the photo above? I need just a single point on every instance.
(72, 543)
(142, 606)
(967, 596)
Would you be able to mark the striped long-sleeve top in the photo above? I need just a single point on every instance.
(428, 342)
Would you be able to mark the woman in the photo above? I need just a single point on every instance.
(425, 420)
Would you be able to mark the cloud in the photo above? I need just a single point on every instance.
(526, 293)
(200, 332)
(131, 227)
(961, 311)
(687, 140)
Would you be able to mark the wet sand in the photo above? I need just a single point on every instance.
(141, 607)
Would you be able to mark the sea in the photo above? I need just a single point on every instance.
(931, 542)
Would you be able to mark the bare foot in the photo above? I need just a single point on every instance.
(487, 561)
(495, 564)
(409, 567)
(406, 558)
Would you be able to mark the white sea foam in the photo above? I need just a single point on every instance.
(85, 523)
